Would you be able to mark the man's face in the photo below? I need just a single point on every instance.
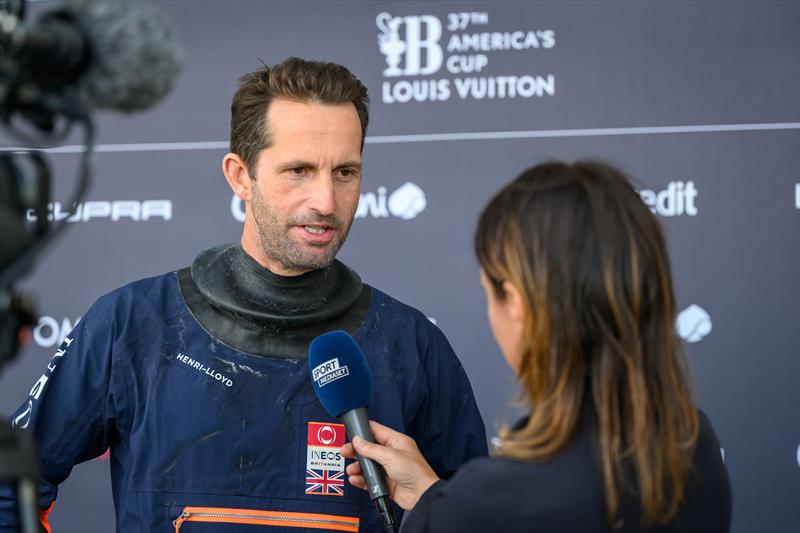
(307, 184)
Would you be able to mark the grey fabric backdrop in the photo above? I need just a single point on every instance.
(699, 97)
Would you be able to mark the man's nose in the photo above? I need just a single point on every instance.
(323, 195)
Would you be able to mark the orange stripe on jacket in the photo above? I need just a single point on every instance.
(44, 515)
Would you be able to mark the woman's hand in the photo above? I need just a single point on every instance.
(408, 472)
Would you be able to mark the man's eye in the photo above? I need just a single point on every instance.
(347, 173)
(298, 171)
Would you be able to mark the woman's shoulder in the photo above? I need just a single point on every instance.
(707, 451)
(501, 493)
(481, 496)
(519, 471)
(709, 486)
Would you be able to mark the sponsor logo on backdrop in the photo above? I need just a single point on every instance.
(237, 208)
(693, 323)
(50, 332)
(432, 59)
(797, 195)
(115, 211)
(405, 202)
(677, 199)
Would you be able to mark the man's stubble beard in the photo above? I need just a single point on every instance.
(281, 249)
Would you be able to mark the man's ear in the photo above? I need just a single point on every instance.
(514, 302)
(238, 177)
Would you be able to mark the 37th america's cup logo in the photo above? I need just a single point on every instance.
(422, 34)
(390, 43)
(431, 59)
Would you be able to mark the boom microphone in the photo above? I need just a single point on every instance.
(119, 55)
(343, 383)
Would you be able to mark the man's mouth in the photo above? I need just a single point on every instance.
(316, 230)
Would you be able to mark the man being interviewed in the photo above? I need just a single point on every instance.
(197, 379)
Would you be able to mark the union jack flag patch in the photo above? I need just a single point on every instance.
(324, 482)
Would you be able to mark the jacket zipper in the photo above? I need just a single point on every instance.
(266, 518)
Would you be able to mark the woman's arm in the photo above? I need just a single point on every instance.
(408, 472)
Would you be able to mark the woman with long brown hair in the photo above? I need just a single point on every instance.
(580, 300)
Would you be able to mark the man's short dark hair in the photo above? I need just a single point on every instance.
(293, 79)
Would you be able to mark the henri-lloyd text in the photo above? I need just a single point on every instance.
(197, 365)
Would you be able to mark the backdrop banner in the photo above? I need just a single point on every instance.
(698, 101)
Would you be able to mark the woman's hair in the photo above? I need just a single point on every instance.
(590, 261)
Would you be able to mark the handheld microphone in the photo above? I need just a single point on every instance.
(343, 383)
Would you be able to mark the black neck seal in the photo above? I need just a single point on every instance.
(253, 310)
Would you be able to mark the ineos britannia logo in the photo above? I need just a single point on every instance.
(406, 202)
(326, 435)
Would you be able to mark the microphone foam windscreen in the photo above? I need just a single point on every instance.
(339, 373)
(136, 59)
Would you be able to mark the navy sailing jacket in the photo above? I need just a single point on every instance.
(207, 438)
